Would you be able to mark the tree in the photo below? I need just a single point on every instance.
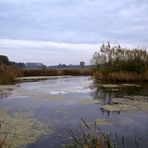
(4, 60)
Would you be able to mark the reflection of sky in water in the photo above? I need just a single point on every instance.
(60, 86)
(4, 93)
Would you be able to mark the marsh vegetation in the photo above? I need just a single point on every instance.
(119, 64)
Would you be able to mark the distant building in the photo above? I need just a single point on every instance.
(82, 64)
(34, 65)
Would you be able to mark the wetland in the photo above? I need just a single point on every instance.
(41, 112)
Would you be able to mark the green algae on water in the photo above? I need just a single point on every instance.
(21, 129)
(128, 104)
(89, 102)
(102, 122)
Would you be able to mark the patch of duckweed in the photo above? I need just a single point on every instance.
(102, 122)
(131, 85)
(110, 86)
(135, 103)
(21, 129)
(88, 102)
(115, 108)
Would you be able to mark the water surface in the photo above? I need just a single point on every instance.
(61, 102)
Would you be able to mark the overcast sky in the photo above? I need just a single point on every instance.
(69, 31)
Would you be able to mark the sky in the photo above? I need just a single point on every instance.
(69, 31)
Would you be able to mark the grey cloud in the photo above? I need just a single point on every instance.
(77, 21)
(47, 52)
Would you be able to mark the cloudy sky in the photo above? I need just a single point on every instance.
(68, 31)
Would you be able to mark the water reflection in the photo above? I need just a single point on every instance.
(103, 95)
(106, 94)
(107, 113)
(5, 93)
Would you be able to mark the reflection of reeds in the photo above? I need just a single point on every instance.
(94, 137)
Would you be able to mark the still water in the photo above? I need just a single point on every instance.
(59, 103)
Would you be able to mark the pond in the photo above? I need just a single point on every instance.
(40, 113)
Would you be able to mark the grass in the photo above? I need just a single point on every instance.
(94, 137)
(77, 72)
(90, 138)
(121, 76)
(57, 72)
(8, 74)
